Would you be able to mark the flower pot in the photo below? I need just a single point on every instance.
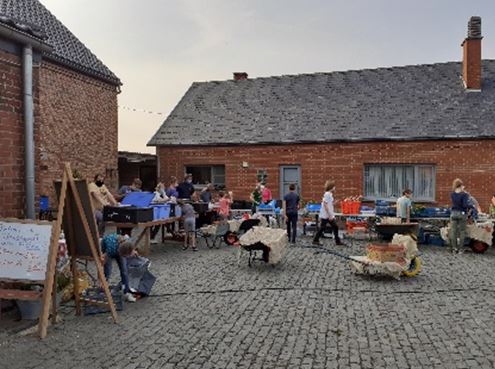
(30, 310)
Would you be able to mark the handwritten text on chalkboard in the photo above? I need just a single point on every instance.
(24, 250)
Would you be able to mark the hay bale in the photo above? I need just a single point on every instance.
(275, 239)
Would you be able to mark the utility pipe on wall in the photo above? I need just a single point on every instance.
(27, 66)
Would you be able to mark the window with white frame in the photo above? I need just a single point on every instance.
(387, 181)
(203, 174)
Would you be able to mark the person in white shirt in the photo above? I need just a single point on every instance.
(327, 215)
(404, 204)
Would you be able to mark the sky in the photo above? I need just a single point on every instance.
(158, 48)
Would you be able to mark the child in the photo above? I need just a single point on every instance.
(224, 203)
(119, 248)
(160, 196)
(189, 227)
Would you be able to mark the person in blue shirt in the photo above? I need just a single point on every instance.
(291, 207)
(171, 191)
(119, 248)
(458, 216)
(186, 188)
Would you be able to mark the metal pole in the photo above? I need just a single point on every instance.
(27, 64)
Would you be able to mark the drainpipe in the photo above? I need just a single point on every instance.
(27, 66)
(39, 45)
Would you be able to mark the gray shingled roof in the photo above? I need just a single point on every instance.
(32, 17)
(400, 103)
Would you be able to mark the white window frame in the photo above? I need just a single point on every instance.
(415, 186)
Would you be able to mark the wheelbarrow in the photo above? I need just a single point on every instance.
(372, 268)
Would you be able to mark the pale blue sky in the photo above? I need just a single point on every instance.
(159, 47)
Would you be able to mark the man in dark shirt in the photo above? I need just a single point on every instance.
(291, 206)
(186, 188)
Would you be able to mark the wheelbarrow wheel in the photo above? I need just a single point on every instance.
(478, 247)
(414, 267)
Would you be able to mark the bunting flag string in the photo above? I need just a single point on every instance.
(138, 110)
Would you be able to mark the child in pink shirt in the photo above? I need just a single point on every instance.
(225, 202)
(266, 194)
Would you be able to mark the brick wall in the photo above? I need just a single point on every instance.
(11, 136)
(79, 125)
(75, 120)
(469, 160)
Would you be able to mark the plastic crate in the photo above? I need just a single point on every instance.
(161, 211)
(350, 207)
(94, 298)
(139, 199)
(313, 208)
(391, 211)
(434, 239)
(381, 203)
(381, 210)
(434, 213)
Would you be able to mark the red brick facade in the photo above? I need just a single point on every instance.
(470, 160)
(75, 120)
(79, 124)
(11, 136)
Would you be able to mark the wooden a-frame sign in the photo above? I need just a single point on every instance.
(68, 199)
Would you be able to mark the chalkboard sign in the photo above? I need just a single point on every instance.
(24, 250)
(72, 222)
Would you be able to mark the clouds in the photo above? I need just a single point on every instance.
(159, 47)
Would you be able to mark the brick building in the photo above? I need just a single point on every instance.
(373, 131)
(74, 100)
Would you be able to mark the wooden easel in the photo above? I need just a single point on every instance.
(48, 283)
(68, 193)
(69, 187)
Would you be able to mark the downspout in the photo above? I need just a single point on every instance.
(28, 43)
(27, 66)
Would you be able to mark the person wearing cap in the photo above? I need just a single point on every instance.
(404, 204)
(186, 188)
(458, 216)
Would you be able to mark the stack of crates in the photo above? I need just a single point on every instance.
(383, 208)
(356, 225)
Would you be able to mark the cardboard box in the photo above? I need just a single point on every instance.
(387, 253)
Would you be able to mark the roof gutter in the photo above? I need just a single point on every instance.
(23, 38)
(29, 43)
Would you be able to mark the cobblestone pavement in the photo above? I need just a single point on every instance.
(308, 312)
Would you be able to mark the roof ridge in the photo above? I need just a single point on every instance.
(309, 74)
(68, 49)
(422, 101)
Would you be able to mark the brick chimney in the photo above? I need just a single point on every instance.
(471, 65)
(239, 76)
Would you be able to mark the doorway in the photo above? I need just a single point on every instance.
(289, 174)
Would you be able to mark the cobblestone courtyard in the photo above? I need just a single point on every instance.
(308, 312)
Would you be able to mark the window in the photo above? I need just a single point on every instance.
(203, 174)
(261, 175)
(388, 181)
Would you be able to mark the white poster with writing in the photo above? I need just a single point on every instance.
(24, 250)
